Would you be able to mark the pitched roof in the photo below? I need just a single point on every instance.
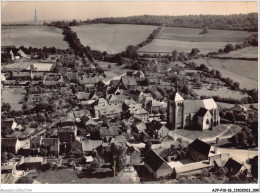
(117, 98)
(114, 83)
(202, 112)
(195, 105)
(36, 140)
(79, 114)
(10, 142)
(33, 159)
(91, 122)
(177, 97)
(233, 165)
(128, 81)
(200, 147)
(89, 145)
(155, 161)
(92, 80)
(50, 141)
(82, 95)
(112, 131)
(6, 124)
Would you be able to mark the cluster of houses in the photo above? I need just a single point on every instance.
(118, 114)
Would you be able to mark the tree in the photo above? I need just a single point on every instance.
(199, 84)
(6, 107)
(235, 86)
(109, 66)
(131, 52)
(254, 167)
(228, 48)
(250, 140)
(205, 30)
(24, 180)
(174, 55)
(195, 51)
(119, 155)
(230, 116)
(218, 74)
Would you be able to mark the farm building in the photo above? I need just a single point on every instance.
(10, 145)
(29, 163)
(157, 166)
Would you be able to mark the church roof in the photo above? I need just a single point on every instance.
(202, 112)
(177, 97)
(195, 105)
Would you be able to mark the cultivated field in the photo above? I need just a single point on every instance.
(13, 96)
(167, 46)
(112, 38)
(34, 36)
(243, 71)
(193, 35)
(184, 39)
(248, 52)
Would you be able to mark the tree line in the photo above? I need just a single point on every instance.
(247, 22)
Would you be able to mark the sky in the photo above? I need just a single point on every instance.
(66, 10)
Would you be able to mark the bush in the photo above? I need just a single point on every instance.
(24, 180)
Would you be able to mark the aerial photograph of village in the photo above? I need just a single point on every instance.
(129, 93)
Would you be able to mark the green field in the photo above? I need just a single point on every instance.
(13, 96)
(193, 35)
(243, 71)
(223, 91)
(34, 36)
(112, 38)
(248, 52)
(184, 39)
(167, 46)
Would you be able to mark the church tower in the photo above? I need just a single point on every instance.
(175, 110)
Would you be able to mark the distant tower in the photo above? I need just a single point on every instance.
(175, 110)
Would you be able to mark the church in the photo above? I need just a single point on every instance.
(192, 114)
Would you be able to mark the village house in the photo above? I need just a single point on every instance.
(29, 163)
(110, 111)
(157, 130)
(157, 166)
(88, 82)
(199, 151)
(127, 82)
(88, 146)
(234, 168)
(11, 145)
(114, 83)
(116, 99)
(106, 133)
(9, 124)
(195, 114)
(133, 156)
(82, 96)
(52, 145)
(67, 134)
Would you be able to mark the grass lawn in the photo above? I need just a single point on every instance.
(167, 46)
(114, 72)
(69, 176)
(248, 52)
(112, 38)
(193, 35)
(202, 134)
(13, 96)
(222, 92)
(34, 36)
(243, 71)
